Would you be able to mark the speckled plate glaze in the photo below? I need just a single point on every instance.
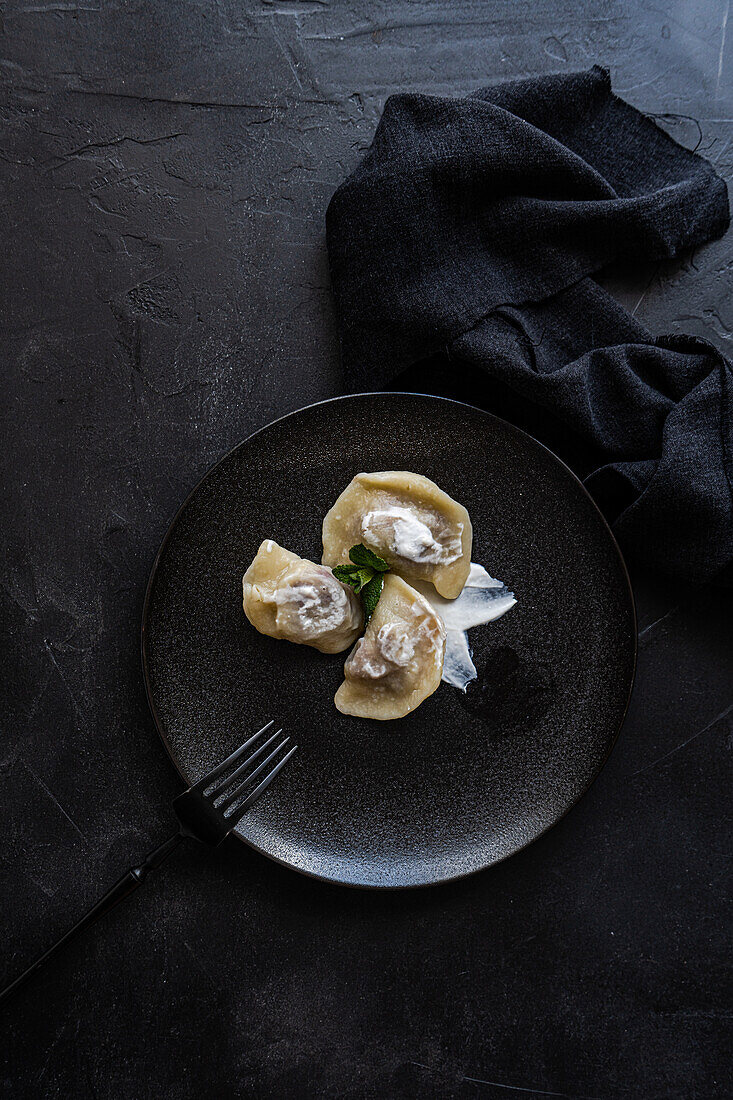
(466, 780)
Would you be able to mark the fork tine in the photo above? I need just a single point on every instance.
(235, 794)
(209, 778)
(252, 798)
(227, 779)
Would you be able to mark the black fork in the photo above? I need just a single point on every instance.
(207, 812)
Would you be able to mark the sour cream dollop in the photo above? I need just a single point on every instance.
(399, 530)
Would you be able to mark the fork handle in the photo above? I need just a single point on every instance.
(122, 888)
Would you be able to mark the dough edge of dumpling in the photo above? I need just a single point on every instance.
(259, 609)
(448, 580)
(403, 711)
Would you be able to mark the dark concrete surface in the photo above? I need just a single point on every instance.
(165, 171)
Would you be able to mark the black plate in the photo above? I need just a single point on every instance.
(466, 780)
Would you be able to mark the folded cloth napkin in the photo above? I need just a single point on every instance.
(464, 246)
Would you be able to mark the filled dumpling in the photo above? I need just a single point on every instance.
(423, 533)
(292, 598)
(399, 661)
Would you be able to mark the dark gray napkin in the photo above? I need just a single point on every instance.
(462, 253)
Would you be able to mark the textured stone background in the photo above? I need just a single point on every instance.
(165, 169)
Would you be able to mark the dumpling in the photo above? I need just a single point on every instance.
(292, 598)
(399, 661)
(423, 533)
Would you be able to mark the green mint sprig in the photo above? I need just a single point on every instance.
(365, 575)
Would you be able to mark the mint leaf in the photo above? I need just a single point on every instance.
(365, 575)
(370, 594)
(361, 578)
(345, 572)
(362, 555)
(355, 575)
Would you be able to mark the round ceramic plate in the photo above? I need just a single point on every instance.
(467, 779)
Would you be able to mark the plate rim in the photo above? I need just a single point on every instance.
(506, 424)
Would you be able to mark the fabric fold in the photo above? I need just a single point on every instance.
(471, 233)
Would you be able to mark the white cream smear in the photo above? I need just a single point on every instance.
(318, 608)
(395, 644)
(482, 600)
(408, 537)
